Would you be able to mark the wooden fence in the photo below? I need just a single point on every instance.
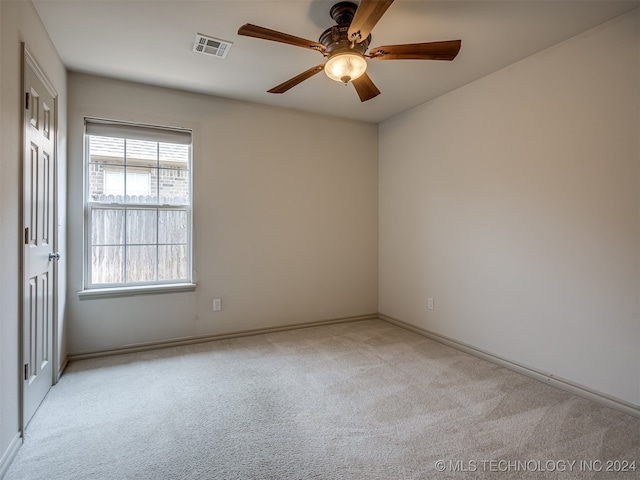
(137, 244)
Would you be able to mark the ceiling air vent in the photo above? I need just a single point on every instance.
(211, 46)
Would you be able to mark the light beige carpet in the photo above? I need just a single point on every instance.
(361, 400)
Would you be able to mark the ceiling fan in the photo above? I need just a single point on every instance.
(345, 47)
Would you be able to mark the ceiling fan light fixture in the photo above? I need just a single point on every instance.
(345, 45)
(345, 66)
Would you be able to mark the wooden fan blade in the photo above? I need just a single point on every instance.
(255, 31)
(365, 88)
(418, 51)
(366, 17)
(283, 87)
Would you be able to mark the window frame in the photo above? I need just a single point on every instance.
(135, 131)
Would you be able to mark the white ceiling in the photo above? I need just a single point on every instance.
(151, 41)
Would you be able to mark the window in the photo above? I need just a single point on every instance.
(137, 205)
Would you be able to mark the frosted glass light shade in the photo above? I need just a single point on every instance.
(345, 66)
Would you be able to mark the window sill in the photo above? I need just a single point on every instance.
(131, 291)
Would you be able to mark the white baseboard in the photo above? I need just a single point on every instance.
(567, 385)
(178, 342)
(10, 453)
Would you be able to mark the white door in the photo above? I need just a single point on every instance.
(39, 256)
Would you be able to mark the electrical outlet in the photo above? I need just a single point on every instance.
(217, 305)
(430, 303)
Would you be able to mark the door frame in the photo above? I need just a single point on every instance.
(28, 61)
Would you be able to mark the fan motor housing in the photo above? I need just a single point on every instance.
(336, 38)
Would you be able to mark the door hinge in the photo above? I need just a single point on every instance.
(26, 236)
(26, 371)
(26, 100)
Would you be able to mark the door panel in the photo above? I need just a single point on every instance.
(39, 231)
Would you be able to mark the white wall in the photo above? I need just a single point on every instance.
(20, 23)
(285, 218)
(514, 203)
